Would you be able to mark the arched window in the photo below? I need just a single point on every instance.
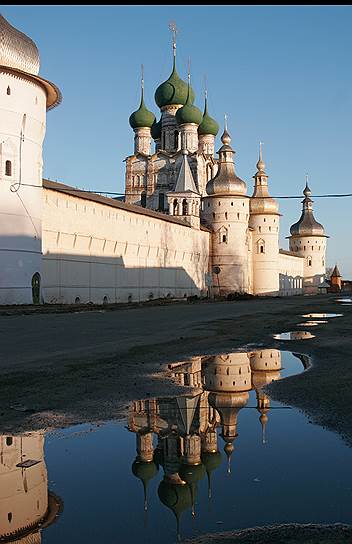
(184, 207)
(309, 260)
(176, 140)
(36, 288)
(9, 441)
(161, 202)
(144, 199)
(8, 90)
(260, 246)
(8, 168)
(175, 207)
(223, 235)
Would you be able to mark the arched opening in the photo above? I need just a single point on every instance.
(161, 202)
(8, 90)
(8, 168)
(77, 300)
(144, 199)
(184, 207)
(105, 300)
(175, 207)
(176, 140)
(9, 441)
(36, 288)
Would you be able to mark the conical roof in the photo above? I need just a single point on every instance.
(336, 273)
(307, 224)
(185, 181)
(261, 202)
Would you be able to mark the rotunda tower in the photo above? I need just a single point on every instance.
(264, 222)
(24, 99)
(142, 121)
(308, 240)
(226, 212)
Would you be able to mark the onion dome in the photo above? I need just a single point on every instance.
(208, 124)
(176, 497)
(174, 90)
(192, 473)
(142, 118)
(226, 183)
(307, 225)
(261, 202)
(144, 471)
(17, 50)
(156, 130)
(211, 461)
(189, 113)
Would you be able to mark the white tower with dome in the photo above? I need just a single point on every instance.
(24, 99)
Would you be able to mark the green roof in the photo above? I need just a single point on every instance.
(189, 113)
(156, 130)
(142, 118)
(208, 124)
(173, 91)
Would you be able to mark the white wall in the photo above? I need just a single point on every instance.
(291, 269)
(92, 250)
(312, 249)
(24, 109)
(265, 234)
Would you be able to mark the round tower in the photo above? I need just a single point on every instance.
(226, 212)
(308, 240)
(142, 120)
(264, 222)
(24, 99)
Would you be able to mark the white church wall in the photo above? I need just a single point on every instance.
(291, 270)
(23, 113)
(93, 250)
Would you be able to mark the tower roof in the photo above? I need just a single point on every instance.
(174, 90)
(142, 118)
(307, 224)
(17, 50)
(335, 273)
(261, 202)
(185, 181)
(189, 113)
(226, 182)
(208, 124)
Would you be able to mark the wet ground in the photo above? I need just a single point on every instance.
(60, 370)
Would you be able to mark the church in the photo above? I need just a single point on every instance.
(186, 225)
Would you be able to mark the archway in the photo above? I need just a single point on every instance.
(36, 288)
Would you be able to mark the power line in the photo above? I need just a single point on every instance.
(73, 189)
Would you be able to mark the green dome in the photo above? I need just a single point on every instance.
(192, 473)
(211, 461)
(189, 113)
(142, 118)
(143, 470)
(156, 130)
(208, 124)
(177, 497)
(173, 91)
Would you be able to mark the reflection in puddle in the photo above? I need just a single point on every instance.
(347, 300)
(25, 504)
(223, 456)
(294, 335)
(317, 316)
(311, 323)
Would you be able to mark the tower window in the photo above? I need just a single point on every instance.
(144, 199)
(261, 249)
(225, 215)
(184, 207)
(176, 140)
(309, 261)
(161, 202)
(238, 216)
(8, 168)
(8, 90)
(9, 441)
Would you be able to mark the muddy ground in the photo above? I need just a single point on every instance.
(61, 366)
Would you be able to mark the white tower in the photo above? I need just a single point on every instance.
(264, 221)
(24, 99)
(308, 240)
(226, 212)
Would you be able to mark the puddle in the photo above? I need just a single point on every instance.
(347, 300)
(294, 335)
(223, 457)
(318, 316)
(311, 323)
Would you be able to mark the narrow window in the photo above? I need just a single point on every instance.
(175, 207)
(224, 237)
(9, 517)
(9, 441)
(225, 215)
(8, 168)
(261, 249)
(161, 202)
(8, 91)
(184, 207)
(176, 140)
(144, 199)
(231, 203)
(238, 216)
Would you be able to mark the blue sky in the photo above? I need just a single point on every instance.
(282, 74)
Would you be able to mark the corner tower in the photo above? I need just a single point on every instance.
(308, 240)
(24, 99)
(226, 213)
(264, 222)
